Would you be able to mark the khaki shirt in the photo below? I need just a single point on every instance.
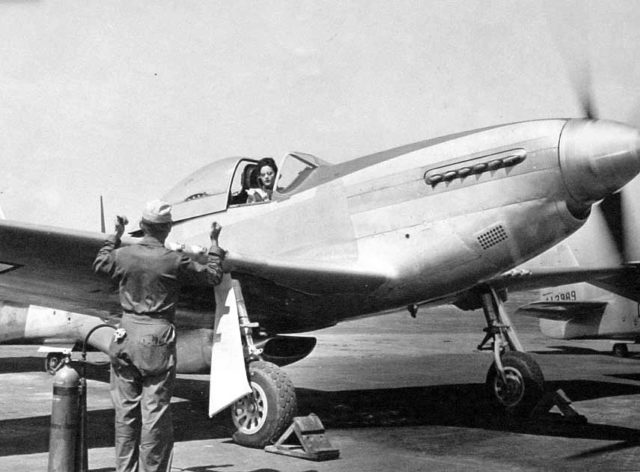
(150, 275)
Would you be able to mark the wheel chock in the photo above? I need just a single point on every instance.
(562, 401)
(312, 442)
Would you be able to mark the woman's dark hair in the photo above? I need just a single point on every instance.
(266, 161)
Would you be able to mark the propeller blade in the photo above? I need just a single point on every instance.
(573, 46)
(613, 213)
(633, 117)
(584, 90)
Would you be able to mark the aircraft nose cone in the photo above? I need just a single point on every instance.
(598, 157)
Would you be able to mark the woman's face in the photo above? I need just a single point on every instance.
(267, 177)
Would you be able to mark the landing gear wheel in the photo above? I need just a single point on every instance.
(261, 417)
(524, 384)
(620, 350)
(53, 362)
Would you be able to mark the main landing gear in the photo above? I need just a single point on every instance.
(514, 380)
(262, 416)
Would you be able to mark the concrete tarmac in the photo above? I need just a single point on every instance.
(395, 394)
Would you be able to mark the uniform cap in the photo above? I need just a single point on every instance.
(156, 211)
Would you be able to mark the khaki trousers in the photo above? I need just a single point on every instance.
(143, 424)
(143, 373)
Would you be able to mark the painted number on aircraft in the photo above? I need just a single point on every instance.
(562, 297)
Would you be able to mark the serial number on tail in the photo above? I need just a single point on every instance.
(569, 296)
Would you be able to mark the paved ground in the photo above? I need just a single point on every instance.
(394, 393)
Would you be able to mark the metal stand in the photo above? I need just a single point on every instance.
(313, 444)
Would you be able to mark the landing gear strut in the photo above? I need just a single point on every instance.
(261, 417)
(514, 380)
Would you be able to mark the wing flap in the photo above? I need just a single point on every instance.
(562, 311)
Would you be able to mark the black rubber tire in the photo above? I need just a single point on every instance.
(620, 350)
(274, 406)
(525, 383)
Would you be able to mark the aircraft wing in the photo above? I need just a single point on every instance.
(531, 279)
(50, 266)
(311, 277)
(622, 280)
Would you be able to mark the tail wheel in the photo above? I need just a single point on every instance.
(523, 386)
(261, 417)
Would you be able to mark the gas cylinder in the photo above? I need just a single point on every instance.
(65, 420)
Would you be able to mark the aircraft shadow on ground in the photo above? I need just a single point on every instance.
(464, 405)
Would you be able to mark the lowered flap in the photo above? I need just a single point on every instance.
(562, 311)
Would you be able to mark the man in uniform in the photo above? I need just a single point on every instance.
(143, 351)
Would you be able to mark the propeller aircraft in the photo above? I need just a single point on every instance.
(433, 222)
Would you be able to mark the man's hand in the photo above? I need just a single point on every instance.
(121, 222)
(215, 232)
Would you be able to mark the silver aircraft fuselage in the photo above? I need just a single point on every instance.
(418, 223)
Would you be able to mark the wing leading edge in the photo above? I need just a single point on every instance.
(310, 277)
(622, 280)
(50, 266)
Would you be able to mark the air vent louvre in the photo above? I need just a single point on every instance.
(492, 236)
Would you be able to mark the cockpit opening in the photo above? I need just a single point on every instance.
(224, 183)
(244, 178)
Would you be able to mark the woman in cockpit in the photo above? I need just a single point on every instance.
(266, 170)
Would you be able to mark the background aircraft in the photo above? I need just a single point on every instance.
(117, 100)
(607, 307)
